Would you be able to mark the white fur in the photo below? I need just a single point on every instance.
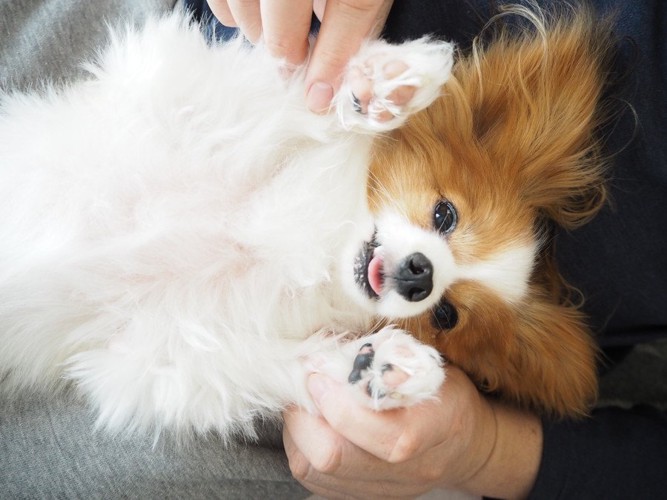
(507, 272)
(173, 229)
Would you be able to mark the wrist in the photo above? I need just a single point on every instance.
(512, 455)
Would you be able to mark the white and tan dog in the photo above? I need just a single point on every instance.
(182, 241)
(181, 238)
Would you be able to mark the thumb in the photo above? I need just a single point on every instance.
(377, 433)
(344, 27)
(322, 389)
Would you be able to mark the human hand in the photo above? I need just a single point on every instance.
(283, 25)
(461, 441)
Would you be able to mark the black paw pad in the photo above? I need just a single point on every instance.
(356, 104)
(362, 362)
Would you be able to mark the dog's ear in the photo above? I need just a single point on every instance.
(534, 95)
(557, 359)
(535, 353)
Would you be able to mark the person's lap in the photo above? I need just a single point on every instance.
(49, 448)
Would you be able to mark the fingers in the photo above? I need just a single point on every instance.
(351, 449)
(244, 14)
(222, 12)
(286, 24)
(345, 25)
(393, 436)
(323, 462)
(327, 452)
(283, 25)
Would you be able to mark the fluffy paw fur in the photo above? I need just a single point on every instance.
(392, 369)
(385, 83)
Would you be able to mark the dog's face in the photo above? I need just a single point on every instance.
(436, 229)
(463, 198)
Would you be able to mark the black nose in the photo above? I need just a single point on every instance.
(414, 279)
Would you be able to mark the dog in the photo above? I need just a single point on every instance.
(182, 241)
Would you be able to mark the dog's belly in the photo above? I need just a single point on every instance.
(174, 269)
(165, 248)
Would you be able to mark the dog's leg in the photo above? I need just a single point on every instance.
(386, 83)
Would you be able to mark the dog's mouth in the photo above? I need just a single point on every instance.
(369, 268)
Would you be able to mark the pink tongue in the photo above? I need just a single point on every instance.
(375, 274)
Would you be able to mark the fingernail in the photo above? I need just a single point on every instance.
(318, 385)
(319, 97)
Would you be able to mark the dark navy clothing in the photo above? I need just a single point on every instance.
(618, 261)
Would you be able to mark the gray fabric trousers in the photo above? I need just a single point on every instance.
(49, 449)
(44, 40)
(48, 446)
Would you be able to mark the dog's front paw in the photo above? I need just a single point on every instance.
(385, 83)
(392, 369)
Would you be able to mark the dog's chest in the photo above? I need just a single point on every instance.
(291, 230)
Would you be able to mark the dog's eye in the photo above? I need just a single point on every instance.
(444, 217)
(444, 316)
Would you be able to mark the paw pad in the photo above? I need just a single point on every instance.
(362, 362)
(385, 83)
(396, 370)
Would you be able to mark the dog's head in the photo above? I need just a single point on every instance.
(464, 198)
